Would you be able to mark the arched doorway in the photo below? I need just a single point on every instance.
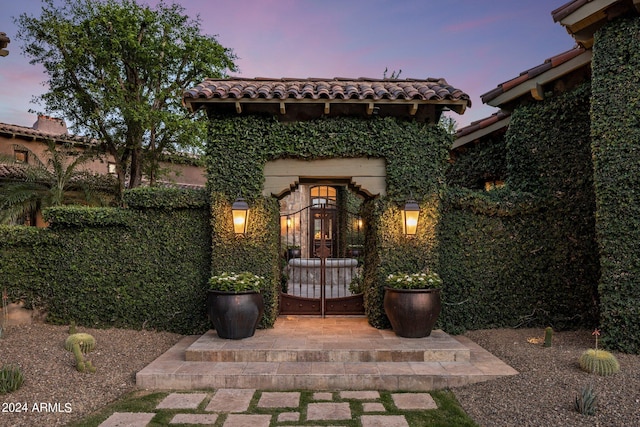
(322, 250)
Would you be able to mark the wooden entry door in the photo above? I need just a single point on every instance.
(323, 229)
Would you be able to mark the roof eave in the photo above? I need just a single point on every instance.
(481, 133)
(582, 19)
(532, 86)
(458, 106)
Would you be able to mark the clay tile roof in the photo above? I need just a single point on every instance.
(531, 73)
(10, 171)
(330, 89)
(497, 122)
(482, 123)
(567, 9)
(31, 133)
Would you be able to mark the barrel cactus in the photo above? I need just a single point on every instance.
(599, 362)
(80, 344)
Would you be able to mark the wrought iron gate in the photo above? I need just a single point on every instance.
(322, 259)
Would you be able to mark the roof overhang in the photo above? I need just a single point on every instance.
(483, 131)
(302, 99)
(534, 86)
(582, 18)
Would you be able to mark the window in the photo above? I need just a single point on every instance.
(21, 156)
(111, 168)
(323, 195)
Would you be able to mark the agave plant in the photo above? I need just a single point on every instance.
(38, 185)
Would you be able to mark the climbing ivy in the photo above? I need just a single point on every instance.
(616, 153)
(525, 254)
(240, 146)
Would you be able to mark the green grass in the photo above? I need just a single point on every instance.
(448, 414)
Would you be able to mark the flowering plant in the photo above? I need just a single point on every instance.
(428, 280)
(236, 282)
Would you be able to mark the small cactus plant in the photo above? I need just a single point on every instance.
(86, 342)
(548, 337)
(598, 361)
(72, 327)
(586, 401)
(81, 344)
(11, 378)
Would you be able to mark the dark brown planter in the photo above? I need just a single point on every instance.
(234, 315)
(412, 312)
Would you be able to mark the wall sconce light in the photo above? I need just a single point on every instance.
(240, 213)
(410, 214)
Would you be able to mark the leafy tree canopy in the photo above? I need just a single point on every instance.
(117, 70)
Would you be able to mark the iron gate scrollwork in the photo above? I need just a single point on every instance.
(322, 261)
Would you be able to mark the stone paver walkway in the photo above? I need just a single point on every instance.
(241, 408)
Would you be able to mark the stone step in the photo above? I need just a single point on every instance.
(418, 376)
(322, 354)
(439, 347)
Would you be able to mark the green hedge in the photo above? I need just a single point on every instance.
(113, 267)
(616, 152)
(525, 254)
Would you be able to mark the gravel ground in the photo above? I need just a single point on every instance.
(51, 376)
(541, 395)
(549, 379)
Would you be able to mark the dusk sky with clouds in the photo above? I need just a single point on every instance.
(474, 44)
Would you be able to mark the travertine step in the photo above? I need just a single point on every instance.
(322, 354)
(381, 346)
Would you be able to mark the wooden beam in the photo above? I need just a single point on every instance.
(413, 109)
(238, 107)
(283, 108)
(327, 107)
(537, 92)
(370, 106)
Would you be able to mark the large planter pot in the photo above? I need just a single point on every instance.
(412, 312)
(234, 315)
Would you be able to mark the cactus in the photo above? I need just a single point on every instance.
(599, 362)
(548, 337)
(72, 327)
(586, 401)
(86, 342)
(11, 378)
(81, 344)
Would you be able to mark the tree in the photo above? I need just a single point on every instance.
(59, 181)
(118, 69)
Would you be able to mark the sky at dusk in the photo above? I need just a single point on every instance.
(474, 44)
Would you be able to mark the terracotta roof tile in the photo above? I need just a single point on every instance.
(567, 9)
(27, 132)
(10, 171)
(330, 89)
(482, 123)
(531, 73)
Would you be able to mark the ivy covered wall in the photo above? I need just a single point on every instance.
(142, 267)
(616, 152)
(415, 155)
(525, 254)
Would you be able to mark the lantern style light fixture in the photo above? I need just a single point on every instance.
(240, 213)
(410, 214)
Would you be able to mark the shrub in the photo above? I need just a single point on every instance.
(11, 378)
